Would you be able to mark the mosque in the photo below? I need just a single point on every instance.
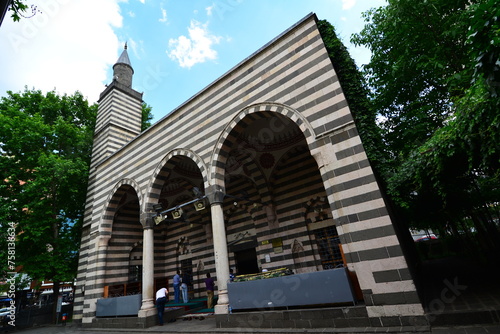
(261, 170)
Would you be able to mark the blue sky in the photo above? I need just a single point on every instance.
(176, 47)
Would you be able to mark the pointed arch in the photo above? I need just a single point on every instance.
(226, 141)
(113, 202)
(317, 209)
(162, 171)
(249, 209)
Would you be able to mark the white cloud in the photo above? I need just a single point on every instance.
(142, 1)
(209, 10)
(196, 48)
(348, 4)
(58, 48)
(131, 14)
(163, 15)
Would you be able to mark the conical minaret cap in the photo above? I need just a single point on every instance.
(124, 59)
(122, 70)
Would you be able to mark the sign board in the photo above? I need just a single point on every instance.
(59, 304)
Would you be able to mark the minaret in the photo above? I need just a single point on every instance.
(118, 122)
(119, 113)
(122, 70)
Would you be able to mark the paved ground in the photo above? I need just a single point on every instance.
(208, 326)
(465, 297)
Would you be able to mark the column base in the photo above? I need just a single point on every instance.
(147, 304)
(222, 297)
(221, 309)
(144, 313)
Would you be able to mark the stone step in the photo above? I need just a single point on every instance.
(464, 318)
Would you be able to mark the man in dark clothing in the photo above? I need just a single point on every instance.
(209, 284)
(186, 281)
(231, 275)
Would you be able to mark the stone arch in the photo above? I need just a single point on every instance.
(254, 173)
(183, 247)
(155, 184)
(112, 204)
(240, 121)
(135, 245)
(248, 208)
(293, 151)
(318, 217)
(316, 209)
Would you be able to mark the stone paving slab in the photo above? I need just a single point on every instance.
(208, 326)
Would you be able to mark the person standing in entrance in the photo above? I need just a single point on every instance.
(231, 275)
(161, 300)
(186, 281)
(209, 284)
(177, 287)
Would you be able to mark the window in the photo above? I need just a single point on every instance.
(328, 242)
(135, 273)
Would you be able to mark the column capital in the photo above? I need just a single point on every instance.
(215, 195)
(147, 220)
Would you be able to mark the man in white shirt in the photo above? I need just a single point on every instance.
(161, 300)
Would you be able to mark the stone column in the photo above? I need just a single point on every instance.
(148, 307)
(220, 252)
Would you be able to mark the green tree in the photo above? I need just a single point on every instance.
(434, 77)
(19, 8)
(356, 93)
(418, 52)
(147, 116)
(45, 147)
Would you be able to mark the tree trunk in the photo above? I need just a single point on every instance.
(54, 305)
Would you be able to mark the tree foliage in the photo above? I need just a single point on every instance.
(356, 93)
(434, 77)
(45, 147)
(147, 116)
(418, 51)
(19, 9)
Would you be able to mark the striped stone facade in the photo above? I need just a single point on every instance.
(276, 136)
(119, 120)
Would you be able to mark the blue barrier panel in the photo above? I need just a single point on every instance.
(119, 306)
(321, 287)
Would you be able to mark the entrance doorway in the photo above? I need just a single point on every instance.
(246, 261)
